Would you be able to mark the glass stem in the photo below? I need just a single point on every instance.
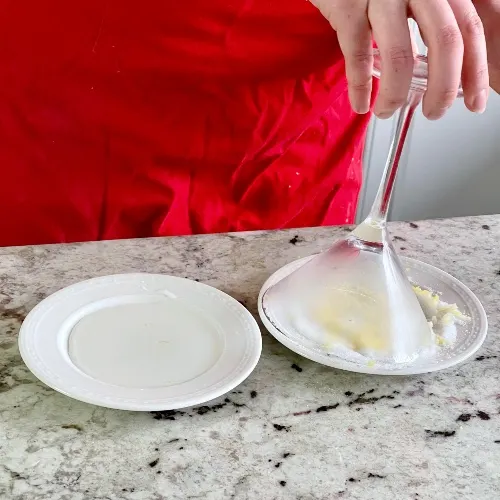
(378, 212)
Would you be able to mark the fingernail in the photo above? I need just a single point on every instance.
(479, 102)
(383, 115)
(361, 109)
(433, 116)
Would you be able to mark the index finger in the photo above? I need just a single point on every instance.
(356, 45)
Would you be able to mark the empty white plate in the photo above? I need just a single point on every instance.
(140, 342)
(469, 336)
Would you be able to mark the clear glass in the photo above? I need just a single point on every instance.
(355, 299)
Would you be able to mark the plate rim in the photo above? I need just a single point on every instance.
(248, 365)
(339, 363)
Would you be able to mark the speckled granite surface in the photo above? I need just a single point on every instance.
(303, 431)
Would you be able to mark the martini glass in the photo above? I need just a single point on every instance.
(355, 300)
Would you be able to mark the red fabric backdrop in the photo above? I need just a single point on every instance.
(125, 119)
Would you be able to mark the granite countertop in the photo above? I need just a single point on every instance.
(294, 429)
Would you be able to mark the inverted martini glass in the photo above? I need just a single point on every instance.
(355, 299)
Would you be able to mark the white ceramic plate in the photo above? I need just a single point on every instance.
(140, 342)
(469, 337)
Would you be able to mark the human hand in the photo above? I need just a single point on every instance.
(489, 11)
(452, 30)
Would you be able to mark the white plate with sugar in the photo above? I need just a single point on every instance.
(469, 336)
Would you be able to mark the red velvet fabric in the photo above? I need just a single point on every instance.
(125, 119)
